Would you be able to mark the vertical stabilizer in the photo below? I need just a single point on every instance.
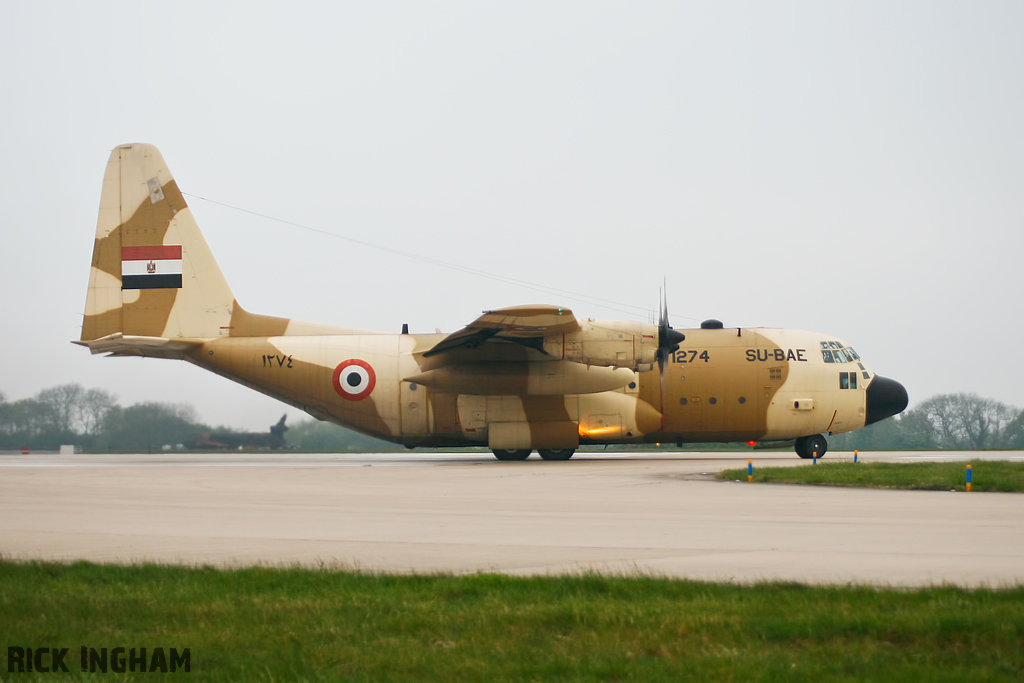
(153, 274)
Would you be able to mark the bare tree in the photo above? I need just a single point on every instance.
(964, 420)
(186, 412)
(62, 405)
(982, 420)
(941, 413)
(96, 404)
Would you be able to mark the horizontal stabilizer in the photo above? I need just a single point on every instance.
(118, 344)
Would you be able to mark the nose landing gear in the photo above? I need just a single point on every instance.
(807, 446)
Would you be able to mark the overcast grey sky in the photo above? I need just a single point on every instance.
(854, 168)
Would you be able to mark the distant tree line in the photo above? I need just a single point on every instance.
(947, 421)
(92, 419)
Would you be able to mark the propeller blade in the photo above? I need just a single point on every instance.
(668, 339)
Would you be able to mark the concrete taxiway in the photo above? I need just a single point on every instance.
(652, 513)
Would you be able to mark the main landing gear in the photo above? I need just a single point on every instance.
(515, 454)
(807, 446)
(524, 453)
(556, 453)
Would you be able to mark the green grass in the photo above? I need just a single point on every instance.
(987, 475)
(267, 624)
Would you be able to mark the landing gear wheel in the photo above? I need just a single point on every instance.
(807, 446)
(556, 453)
(520, 454)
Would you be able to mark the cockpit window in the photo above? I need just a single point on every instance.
(833, 352)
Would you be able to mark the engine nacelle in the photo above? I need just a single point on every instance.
(609, 343)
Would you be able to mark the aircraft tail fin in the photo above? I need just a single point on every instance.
(155, 287)
(153, 274)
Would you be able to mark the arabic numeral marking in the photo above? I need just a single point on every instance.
(282, 361)
(690, 355)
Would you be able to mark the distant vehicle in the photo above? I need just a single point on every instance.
(515, 379)
(274, 439)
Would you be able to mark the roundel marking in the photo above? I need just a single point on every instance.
(354, 379)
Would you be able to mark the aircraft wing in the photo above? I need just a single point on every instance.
(527, 325)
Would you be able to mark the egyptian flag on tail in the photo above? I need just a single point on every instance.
(151, 267)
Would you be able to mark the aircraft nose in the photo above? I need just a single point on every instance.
(885, 397)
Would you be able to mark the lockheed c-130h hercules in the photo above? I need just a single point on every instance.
(515, 379)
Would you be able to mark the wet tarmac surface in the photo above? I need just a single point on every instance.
(654, 513)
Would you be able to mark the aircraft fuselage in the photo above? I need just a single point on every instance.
(731, 384)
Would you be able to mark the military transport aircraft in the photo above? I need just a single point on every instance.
(515, 379)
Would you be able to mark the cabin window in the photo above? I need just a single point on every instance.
(866, 375)
(854, 354)
(827, 355)
(853, 380)
(844, 380)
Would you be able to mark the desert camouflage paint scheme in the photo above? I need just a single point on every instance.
(515, 379)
